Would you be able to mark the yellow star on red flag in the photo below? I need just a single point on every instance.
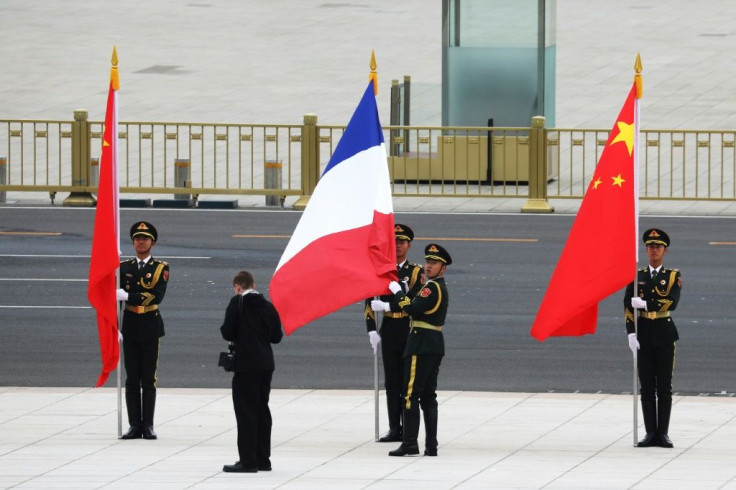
(625, 134)
(618, 180)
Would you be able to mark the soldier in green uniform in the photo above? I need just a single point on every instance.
(425, 348)
(657, 295)
(143, 281)
(394, 330)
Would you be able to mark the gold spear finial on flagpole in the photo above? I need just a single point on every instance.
(373, 76)
(114, 75)
(637, 77)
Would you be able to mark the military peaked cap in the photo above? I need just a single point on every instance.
(403, 232)
(655, 235)
(143, 228)
(435, 251)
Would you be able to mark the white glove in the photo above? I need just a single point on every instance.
(121, 295)
(375, 340)
(394, 287)
(378, 305)
(120, 336)
(633, 343)
(637, 302)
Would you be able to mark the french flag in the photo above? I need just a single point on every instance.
(343, 248)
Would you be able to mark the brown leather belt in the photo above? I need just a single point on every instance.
(139, 310)
(651, 315)
(390, 314)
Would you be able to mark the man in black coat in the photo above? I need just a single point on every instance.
(657, 294)
(253, 324)
(394, 330)
(143, 281)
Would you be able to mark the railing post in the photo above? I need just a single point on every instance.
(393, 150)
(94, 172)
(407, 111)
(3, 178)
(272, 180)
(80, 161)
(310, 160)
(537, 202)
(181, 176)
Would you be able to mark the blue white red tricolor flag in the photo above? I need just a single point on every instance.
(343, 248)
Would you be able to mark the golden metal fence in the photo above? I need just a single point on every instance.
(212, 158)
(673, 164)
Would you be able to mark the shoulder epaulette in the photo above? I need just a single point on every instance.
(160, 261)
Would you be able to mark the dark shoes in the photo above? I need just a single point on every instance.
(664, 441)
(148, 432)
(649, 440)
(430, 451)
(405, 450)
(134, 432)
(239, 468)
(394, 435)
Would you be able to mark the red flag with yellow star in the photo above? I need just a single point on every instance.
(599, 257)
(105, 258)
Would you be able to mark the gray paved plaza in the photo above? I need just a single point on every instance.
(272, 62)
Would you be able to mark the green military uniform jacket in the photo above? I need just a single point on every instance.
(395, 324)
(428, 310)
(146, 289)
(655, 326)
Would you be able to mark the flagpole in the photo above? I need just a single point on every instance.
(639, 90)
(120, 350)
(373, 77)
(375, 393)
(115, 81)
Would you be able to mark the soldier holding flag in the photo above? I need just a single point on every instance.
(655, 297)
(425, 348)
(394, 330)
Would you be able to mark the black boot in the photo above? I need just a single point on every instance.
(149, 406)
(395, 432)
(430, 431)
(133, 404)
(664, 408)
(649, 411)
(409, 444)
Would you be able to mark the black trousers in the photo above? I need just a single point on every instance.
(420, 389)
(392, 353)
(141, 362)
(251, 392)
(655, 365)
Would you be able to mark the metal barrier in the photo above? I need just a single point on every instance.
(533, 162)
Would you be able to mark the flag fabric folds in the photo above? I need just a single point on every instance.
(343, 248)
(106, 244)
(599, 256)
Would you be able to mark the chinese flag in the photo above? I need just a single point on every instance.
(599, 257)
(105, 240)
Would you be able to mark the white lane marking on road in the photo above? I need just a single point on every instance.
(183, 257)
(39, 279)
(48, 307)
